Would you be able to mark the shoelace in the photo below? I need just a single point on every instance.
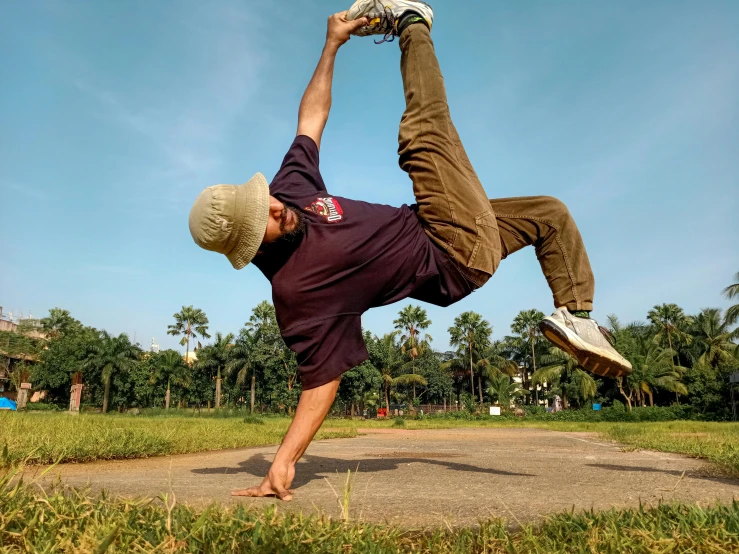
(608, 335)
(387, 20)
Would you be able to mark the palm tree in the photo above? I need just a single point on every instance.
(411, 321)
(732, 291)
(169, 365)
(472, 332)
(58, 322)
(191, 323)
(503, 391)
(241, 360)
(215, 357)
(387, 357)
(526, 326)
(410, 379)
(494, 361)
(111, 355)
(670, 322)
(712, 339)
(559, 367)
(653, 368)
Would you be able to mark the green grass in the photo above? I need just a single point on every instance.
(51, 437)
(44, 438)
(66, 520)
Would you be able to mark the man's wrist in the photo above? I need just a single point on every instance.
(286, 458)
(332, 46)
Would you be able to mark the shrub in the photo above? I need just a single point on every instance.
(254, 420)
(617, 414)
(534, 410)
(399, 422)
(42, 407)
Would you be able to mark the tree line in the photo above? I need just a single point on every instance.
(677, 358)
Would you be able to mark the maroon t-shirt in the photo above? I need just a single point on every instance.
(353, 256)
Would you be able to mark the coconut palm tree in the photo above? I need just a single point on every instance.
(111, 355)
(712, 339)
(241, 360)
(59, 322)
(732, 291)
(388, 361)
(493, 363)
(411, 321)
(559, 367)
(215, 357)
(503, 391)
(168, 365)
(191, 323)
(653, 369)
(410, 379)
(670, 322)
(517, 349)
(471, 332)
(526, 326)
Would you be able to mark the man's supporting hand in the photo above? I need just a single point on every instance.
(312, 410)
(274, 485)
(340, 30)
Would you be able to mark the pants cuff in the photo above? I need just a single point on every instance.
(577, 306)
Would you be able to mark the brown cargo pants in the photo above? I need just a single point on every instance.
(457, 215)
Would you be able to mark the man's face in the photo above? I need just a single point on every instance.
(284, 224)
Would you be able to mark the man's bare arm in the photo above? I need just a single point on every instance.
(316, 103)
(312, 410)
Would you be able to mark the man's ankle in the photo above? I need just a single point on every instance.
(409, 18)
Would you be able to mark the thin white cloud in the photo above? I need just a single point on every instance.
(188, 123)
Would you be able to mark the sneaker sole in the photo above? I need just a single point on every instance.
(589, 357)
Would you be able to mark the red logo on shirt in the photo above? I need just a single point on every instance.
(328, 208)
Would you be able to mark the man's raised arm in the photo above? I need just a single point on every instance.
(316, 103)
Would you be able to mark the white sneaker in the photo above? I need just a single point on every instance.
(586, 341)
(384, 15)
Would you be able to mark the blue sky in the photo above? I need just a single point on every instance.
(115, 115)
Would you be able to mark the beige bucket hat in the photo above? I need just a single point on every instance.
(232, 220)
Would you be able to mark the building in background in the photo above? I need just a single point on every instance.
(10, 355)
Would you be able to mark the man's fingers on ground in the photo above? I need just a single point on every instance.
(282, 493)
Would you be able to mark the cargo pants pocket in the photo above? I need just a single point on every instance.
(486, 252)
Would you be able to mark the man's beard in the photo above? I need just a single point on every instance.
(291, 237)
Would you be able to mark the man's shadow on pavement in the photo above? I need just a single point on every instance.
(673, 472)
(313, 467)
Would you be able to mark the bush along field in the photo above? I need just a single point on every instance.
(67, 520)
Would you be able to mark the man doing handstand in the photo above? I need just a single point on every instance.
(330, 259)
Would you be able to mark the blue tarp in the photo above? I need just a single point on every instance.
(6, 404)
